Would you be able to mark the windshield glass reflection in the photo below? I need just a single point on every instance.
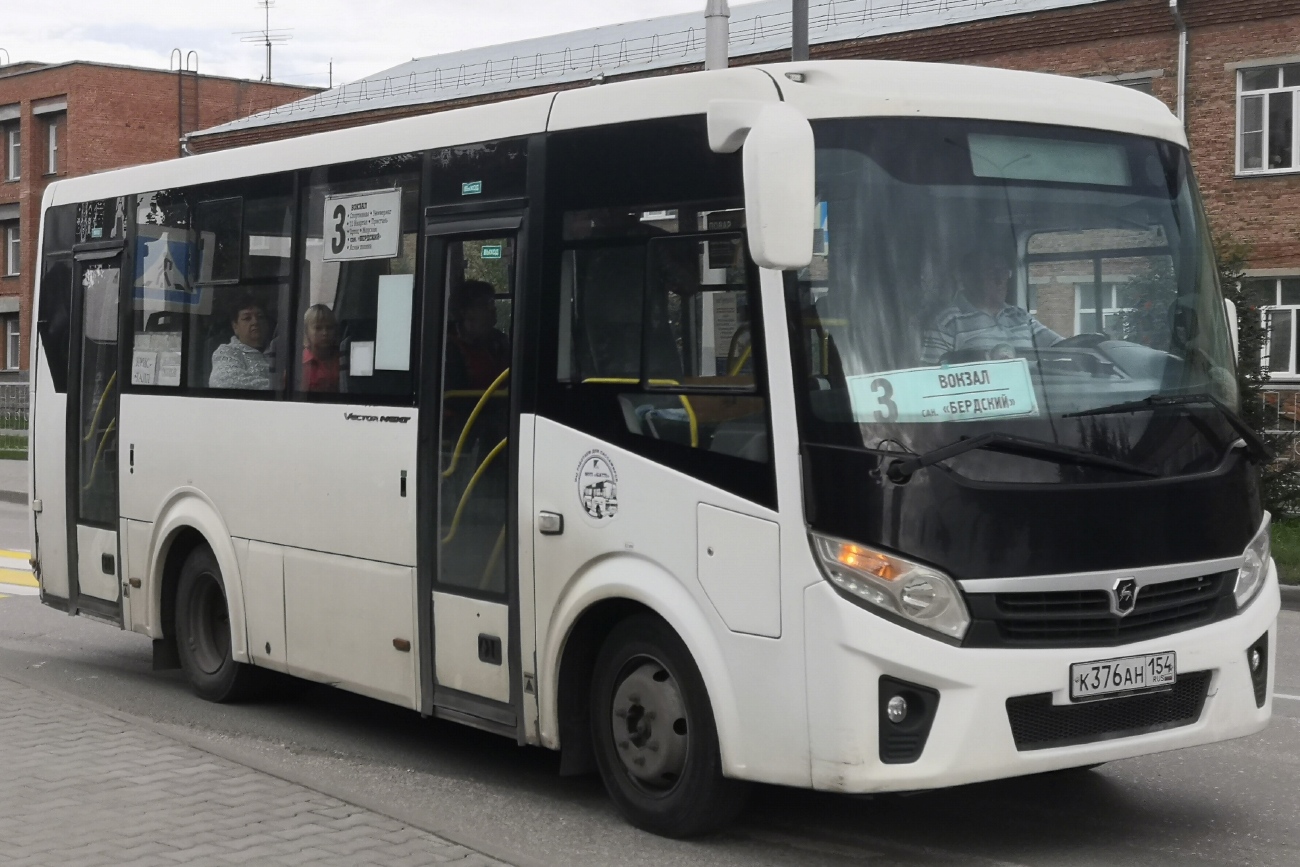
(972, 277)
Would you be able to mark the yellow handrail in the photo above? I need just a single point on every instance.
(103, 396)
(469, 422)
(740, 362)
(99, 453)
(473, 480)
(686, 403)
(492, 560)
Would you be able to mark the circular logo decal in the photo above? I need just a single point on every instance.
(597, 482)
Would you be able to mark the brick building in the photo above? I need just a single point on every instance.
(66, 119)
(1238, 87)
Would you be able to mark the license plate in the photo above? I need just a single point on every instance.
(1127, 674)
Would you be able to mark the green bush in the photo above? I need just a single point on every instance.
(1286, 549)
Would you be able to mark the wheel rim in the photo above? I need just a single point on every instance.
(648, 720)
(209, 625)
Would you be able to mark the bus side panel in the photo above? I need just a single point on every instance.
(323, 477)
(344, 619)
(47, 453)
(646, 552)
(320, 486)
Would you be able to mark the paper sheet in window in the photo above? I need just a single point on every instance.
(144, 367)
(361, 359)
(393, 322)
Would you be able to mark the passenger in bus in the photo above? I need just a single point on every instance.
(241, 363)
(479, 353)
(980, 321)
(320, 350)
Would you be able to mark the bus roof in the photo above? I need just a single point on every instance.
(832, 88)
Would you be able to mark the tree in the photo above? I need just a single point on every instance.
(1279, 481)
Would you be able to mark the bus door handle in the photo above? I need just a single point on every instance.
(550, 523)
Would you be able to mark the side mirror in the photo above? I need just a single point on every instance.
(780, 177)
(1232, 327)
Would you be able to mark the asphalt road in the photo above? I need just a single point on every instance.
(1235, 803)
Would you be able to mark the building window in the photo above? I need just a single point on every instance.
(13, 343)
(1142, 84)
(13, 249)
(13, 152)
(1279, 300)
(52, 134)
(1265, 118)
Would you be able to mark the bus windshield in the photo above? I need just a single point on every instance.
(975, 278)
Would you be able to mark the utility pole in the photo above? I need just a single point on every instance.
(716, 34)
(799, 30)
(266, 35)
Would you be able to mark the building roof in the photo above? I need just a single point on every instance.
(626, 49)
(27, 67)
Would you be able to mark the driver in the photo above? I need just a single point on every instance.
(980, 318)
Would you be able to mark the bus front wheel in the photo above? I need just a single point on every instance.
(203, 632)
(655, 740)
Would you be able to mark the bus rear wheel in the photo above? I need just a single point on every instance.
(203, 633)
(655, 740)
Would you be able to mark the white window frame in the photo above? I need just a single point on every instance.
(1265, 96)
(52, 145)
(1266, 313)
(13, 343)
(13, 152)
(1084, 292)
(13, 250)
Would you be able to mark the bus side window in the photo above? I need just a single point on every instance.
(353, 331)
(671, 320)
(53, 319)
(212, 286)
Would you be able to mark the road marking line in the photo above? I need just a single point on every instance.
(1287, 697)
(13, 590)
(16, 576)
(11, 554)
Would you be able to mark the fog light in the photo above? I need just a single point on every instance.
(1257, 661)
(904, 716)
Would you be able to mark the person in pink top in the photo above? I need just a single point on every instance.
(320, 350)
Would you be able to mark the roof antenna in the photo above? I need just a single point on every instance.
(266, 35)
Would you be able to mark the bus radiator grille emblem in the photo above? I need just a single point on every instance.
(1124, 596)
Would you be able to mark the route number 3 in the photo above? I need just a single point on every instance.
(340, 239)
(885, 397)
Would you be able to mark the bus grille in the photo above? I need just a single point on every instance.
(1082, 618)
(1036, 724)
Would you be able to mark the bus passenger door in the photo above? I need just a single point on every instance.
(470, 470)
(92, 424)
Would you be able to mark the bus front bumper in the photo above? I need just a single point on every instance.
(971, 739)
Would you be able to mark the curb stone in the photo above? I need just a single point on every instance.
(1291, 597)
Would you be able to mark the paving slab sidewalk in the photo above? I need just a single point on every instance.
(13, 481)
(82, 787)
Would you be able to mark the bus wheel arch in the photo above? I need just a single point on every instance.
(186, 522)
(598, 600)
(173, 553)
(576, 668)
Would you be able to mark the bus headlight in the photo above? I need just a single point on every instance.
(916, 593)
(1250, 577)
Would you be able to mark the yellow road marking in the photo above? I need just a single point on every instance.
(17, 577)
(15, 555)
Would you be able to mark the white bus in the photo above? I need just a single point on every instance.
(859, 426)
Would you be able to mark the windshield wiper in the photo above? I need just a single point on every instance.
(1259, 450)
(901, 471)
